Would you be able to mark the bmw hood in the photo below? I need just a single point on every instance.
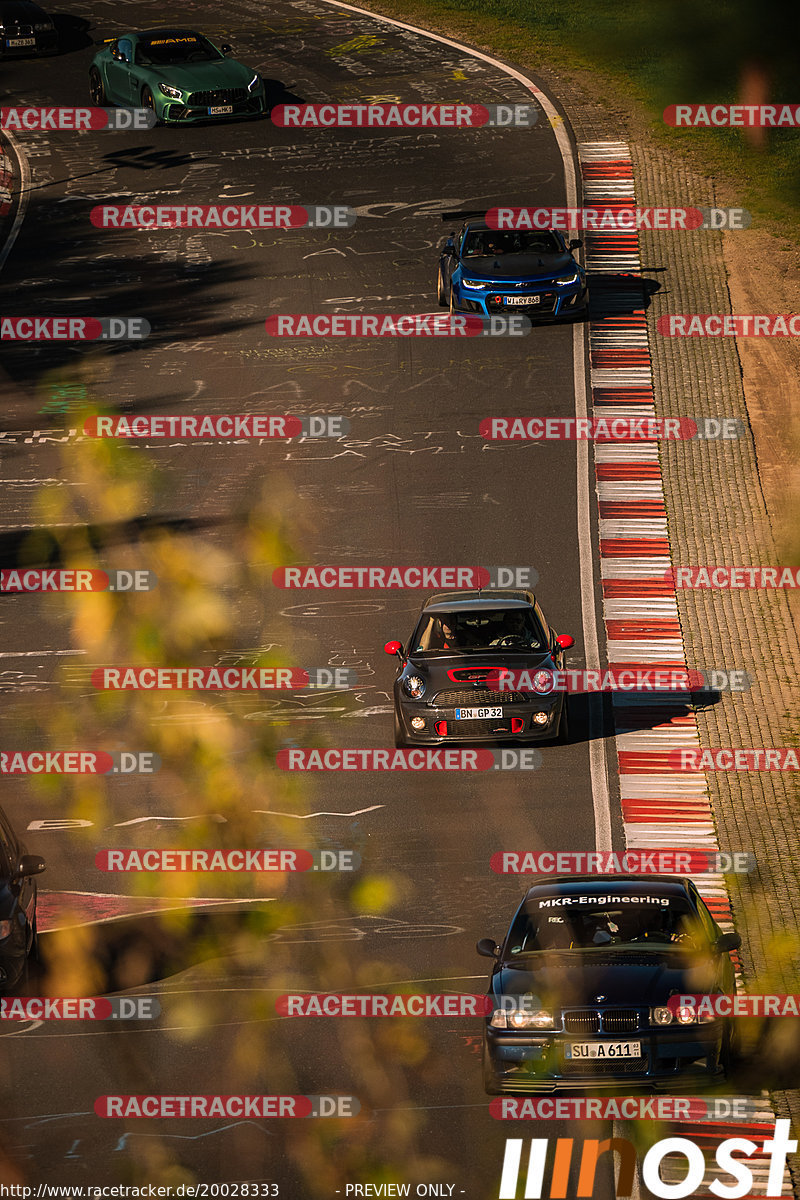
(627, 979)
(519, 267)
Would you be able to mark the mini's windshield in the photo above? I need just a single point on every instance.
(486, 243)
(492, 629)
(172, 49)
(650, 922)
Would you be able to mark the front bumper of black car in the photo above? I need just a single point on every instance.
(45, 42)
(441, 726)
(523, 1063)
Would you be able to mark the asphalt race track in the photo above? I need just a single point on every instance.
(412, 482)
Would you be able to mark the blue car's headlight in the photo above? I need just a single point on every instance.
(474, 286)
(566, 280)
(173, 92)
(253, 84)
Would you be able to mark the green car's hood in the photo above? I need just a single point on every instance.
(201, 76)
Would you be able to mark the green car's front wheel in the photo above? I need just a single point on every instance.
(97, 89)
(149, 102)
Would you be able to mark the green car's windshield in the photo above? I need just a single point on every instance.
(171, 49)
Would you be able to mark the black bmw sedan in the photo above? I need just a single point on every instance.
(586, 986)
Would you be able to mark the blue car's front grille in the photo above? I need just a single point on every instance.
(220, 96)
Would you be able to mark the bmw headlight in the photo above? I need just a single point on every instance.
(473, 285)
(253, 84)
(173, 92)
(542, 681)
(521, 1019)
(661, 1016)
(414, 686)
(5, 929)
(566, 280)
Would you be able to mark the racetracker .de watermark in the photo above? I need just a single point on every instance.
(727, 578)
(351, 577)
(626, 1108)
(76, 580)
(610, 429)
(729, 325)
(720, 1004)
(729, 116)
(578, 681)
(754, 758)
(632, 862)
(73, 329)
(620, 216)
(234, 861)
(83, 1008)
(357, 325)
(79, 762)
(404, 116)
(244, 426)
(77, 118)
(221, 679)
(333, 1105)
(222, 216)
(355, 1004)
(428, 759)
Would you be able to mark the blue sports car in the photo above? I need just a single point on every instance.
(490, 271)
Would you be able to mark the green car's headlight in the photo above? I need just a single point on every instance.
(253, 84)
(173, 92)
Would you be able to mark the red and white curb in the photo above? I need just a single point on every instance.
(660, 807)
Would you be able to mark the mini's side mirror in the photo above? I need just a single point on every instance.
(575, 243)
(30, 864)
(565, 640)
(728, 942)
(393, 648)
(488, 948)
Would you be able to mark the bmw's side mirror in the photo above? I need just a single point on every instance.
(488, 948)
(575, 243)
(728, 942)
(30, 864)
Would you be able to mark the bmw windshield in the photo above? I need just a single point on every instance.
(625, 922)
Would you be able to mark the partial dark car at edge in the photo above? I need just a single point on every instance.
(25, 29)
(17, 906)
(447, 689)
(582, 982)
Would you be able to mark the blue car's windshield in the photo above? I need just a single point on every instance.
(172, 49)
(484, 243)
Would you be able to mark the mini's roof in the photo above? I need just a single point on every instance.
(477, 601)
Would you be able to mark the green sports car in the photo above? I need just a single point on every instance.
(179, 74)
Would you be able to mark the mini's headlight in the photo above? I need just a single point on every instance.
(173, 92)
(661, 1016)
(253, 84)
(414, 686)
(542, 681)
(566, 280)
(473, 285)
(686, 1015)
